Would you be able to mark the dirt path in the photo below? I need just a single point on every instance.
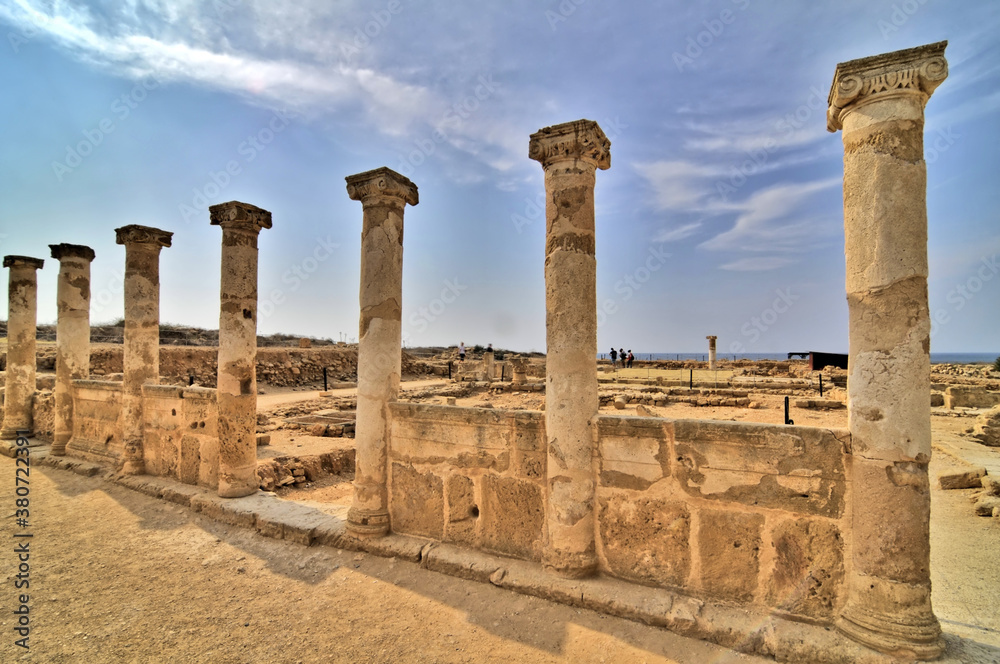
(277, 396)
(120, 577)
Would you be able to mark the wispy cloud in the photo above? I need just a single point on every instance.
(773, 219)
(758, 264)
(679, 233)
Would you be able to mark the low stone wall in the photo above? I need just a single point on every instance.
(970, 397)
(471, 476)
(97, 406)
(737, 512)
(180, 433)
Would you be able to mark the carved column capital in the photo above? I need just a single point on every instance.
(582, 139)
(135, 234)
(914, 71)
(23, 261)
(380, 186)
(239, 216)
(61, 251)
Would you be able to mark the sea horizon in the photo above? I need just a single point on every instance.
(936, 358)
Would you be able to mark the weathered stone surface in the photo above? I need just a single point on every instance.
(417, 506)
(987, 430)
(646, 540)
(809, 568)
(986, 505)
(970, 397)
(729, 549)
(570, 154)
(991, 485)
(634, 453)
(969, 479)
(22, 315)
(237, 384)
(795, 468)
(463, 513)
(513, 515)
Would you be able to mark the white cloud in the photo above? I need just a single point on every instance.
(771, 219)
(758, 264)
(678, 185)
(679, 233)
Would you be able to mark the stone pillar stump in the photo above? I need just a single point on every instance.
(22, 320)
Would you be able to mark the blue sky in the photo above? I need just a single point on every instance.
(721, 214)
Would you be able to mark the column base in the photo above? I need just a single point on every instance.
(368, 523)
(916, 636)
(570, 565)
(59, 443)
(133, 462)
(11, 434)
(237, 489)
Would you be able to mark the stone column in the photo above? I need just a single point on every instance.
(237, 379)
(878, 102)
(711, 352)
(489, 366)
(141, 352)
(22, 313)
(519, 370)
(384, 194)
(570, 153)
(72, 335)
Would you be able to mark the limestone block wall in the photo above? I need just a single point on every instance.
(180, 433)
(728, 511)
(96, 408)
(970, 397)
(731, 511)
(469, 476)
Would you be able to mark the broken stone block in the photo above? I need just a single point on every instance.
(987, 430)
(620, 403)
(991, 485)
(263, 439)
(969, 479)
(986, 505)
(643, 411)
(317, 430)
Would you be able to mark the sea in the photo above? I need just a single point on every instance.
(936, 358)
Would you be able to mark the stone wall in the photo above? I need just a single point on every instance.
(470, 476)
(970, 397)
(737, 512)
(180, 433)
(96, 408)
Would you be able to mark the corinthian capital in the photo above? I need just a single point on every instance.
(582, 139)
(61, 251)
(379, 185)
(135, 234)
(239, 216)
(914, 71)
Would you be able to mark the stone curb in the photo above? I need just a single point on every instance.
(748, 630)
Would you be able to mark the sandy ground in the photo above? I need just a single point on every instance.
(120, 577)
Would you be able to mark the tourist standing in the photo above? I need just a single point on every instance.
(461, 351)
(614, 356)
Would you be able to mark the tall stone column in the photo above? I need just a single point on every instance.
(141, 352)
(878, 102)
(570, 153)
(711, 352)
(384, 194)
(22, 319)
(72, 335)
(237, 379)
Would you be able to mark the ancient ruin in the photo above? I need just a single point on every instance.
(758, 535)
